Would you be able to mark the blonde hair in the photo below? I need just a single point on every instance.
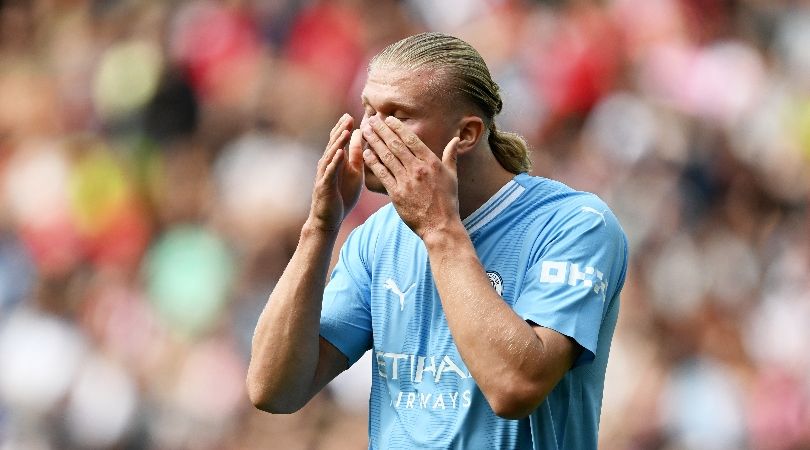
(468, 76)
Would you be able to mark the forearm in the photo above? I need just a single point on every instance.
(285, 348)
(501, 350)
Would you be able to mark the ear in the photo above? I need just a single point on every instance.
(470, 131)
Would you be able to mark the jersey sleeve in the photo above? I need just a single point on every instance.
(574, 275)
(346, 310)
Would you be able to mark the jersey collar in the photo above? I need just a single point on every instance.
(487, 212)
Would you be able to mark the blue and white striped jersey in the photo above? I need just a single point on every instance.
(557, 256)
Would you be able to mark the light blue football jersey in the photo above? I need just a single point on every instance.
(557, 256)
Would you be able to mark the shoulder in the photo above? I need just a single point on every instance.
(555, 194)
(386, 216)
(563, 204)
(364, 238)
(563, 216)
(381, 221)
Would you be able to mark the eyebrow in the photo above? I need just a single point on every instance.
(390, 104)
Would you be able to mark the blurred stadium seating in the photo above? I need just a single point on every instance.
(155, 166)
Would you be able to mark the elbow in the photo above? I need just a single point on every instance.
(265, 400)
(517, 400)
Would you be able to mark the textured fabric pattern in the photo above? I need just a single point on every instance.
(557, 256)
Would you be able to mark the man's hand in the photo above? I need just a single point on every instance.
(338, 181)
(289, 360)
(423, 188)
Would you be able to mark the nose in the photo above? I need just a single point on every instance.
(364, 124)
(377, 115)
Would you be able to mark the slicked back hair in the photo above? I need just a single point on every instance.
(466, 74)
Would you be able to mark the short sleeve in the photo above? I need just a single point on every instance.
(574, 275)
(346, 311)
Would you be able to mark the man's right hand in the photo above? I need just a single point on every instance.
(289, 360)
(339, 177)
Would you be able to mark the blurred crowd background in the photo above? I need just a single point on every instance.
(156, 161)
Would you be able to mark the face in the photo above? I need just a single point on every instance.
(407, 95)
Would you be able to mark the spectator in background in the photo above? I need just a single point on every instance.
(121, 124)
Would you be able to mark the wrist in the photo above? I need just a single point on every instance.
(446, 236)
(317, 228)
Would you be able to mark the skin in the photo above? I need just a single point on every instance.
(434, 162)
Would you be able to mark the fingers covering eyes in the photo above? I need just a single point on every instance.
(392, 141)
(383, 152)
(415, 146)
(379, 169)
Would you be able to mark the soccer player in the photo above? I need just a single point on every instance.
(488, 296)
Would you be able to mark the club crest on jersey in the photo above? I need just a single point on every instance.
(496, 280)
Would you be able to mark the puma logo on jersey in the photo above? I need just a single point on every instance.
(601, 215)
(391, 285)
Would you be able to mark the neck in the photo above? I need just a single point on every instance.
(480, 176)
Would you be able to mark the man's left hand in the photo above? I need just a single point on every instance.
(422, 187)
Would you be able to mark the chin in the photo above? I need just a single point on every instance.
(373, 184)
